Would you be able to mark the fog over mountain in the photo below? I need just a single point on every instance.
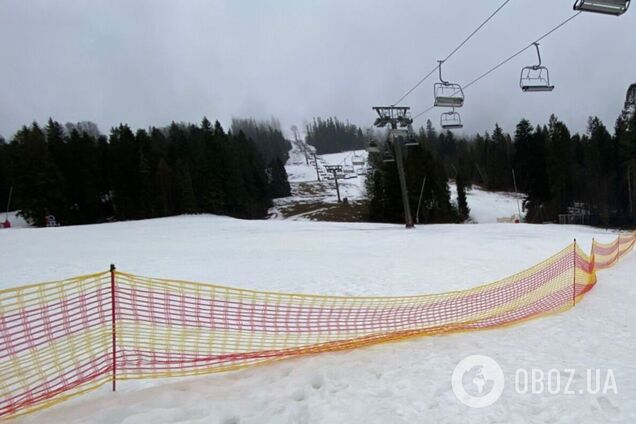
(151, 62)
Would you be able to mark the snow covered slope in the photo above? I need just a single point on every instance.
(310, 198)
(404, 382)
(486, 207)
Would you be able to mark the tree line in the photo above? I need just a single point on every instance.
(554, 168)
(334, 136)
(267, 134)
(80, 176)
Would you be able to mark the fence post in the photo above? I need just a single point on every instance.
(574, 274)
(113, 323)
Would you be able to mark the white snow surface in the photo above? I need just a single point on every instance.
(486, 207)
(406, 382)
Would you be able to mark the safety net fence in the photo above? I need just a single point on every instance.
(60, 339)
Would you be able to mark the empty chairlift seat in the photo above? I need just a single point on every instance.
(373, 147)
(447, 94)
(535, 78)
(387, 157)
(606, 7)
(451, 121)
(348, 169)
(411, 141)
(357, 160)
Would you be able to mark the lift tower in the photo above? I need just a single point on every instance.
(399, 119)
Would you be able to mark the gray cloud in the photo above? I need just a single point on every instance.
(150, 62)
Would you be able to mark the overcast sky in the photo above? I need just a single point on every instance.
(151, 62)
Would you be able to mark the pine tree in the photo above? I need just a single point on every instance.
(186, 199)
(278, 180)
(124, 174)
(38, 181)
(462, 204)
(559, 159)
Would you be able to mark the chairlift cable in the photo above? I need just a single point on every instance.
(522, 50)
(476, 30)
(502, 63)
(427, 76)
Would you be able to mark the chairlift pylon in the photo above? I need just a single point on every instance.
(451, 120)
(447, 94)
(535, 78)
(606, 7)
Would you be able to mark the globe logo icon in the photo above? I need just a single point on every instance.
(478, 381)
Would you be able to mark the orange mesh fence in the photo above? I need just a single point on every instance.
(64, 338)
(606, 255)
(55, 341)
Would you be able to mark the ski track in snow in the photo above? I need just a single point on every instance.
(402, 382)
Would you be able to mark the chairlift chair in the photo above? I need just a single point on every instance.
(373, 147)
(606, 7)
(387, 157)
(411, 142)
(431, 203)
(405, 120)
(399, 133)
(535, 78)
(447, 94)
(357, 160)
(451, 120)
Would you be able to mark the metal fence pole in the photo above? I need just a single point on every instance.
(574, 274)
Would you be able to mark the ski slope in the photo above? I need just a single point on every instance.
(354, 188)
(485, 207)
(307, 190)
(403, 382)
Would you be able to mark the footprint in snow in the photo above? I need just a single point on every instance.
(231, 420)
(298, 396)
(317, 381)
